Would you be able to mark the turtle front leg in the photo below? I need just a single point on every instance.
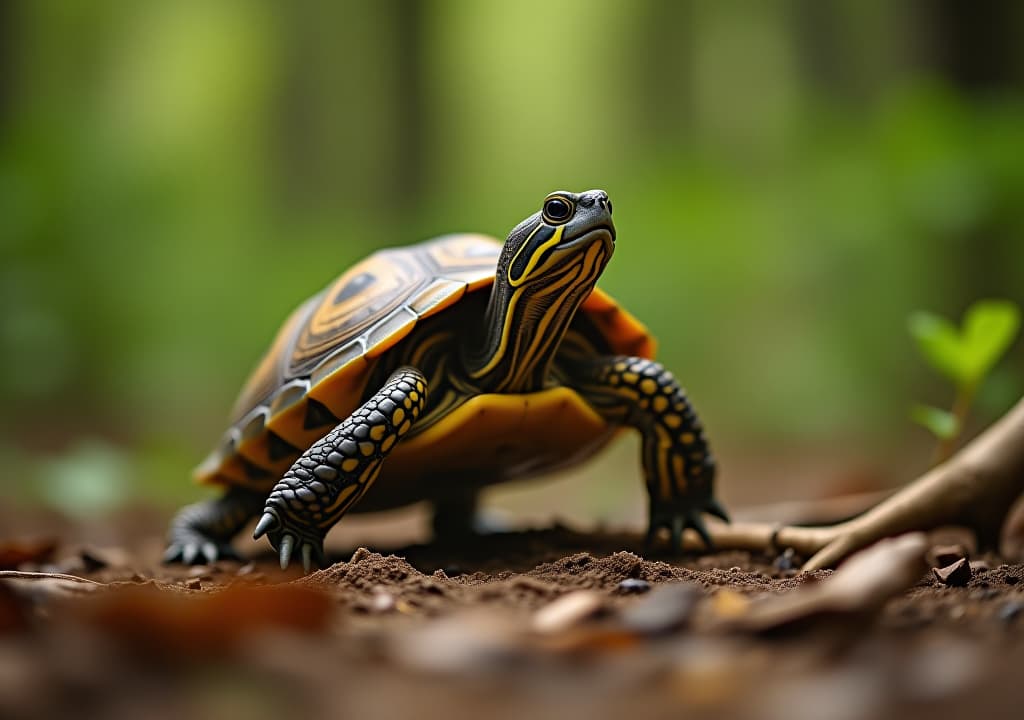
(203, 531)
(678, 464)
(338, 469)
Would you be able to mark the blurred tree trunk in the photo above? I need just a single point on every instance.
(977, 47)
(8, 24)
(410, 81)
(349, 133)
(977, 44)
(663, 50)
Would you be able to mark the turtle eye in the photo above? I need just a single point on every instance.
(557, 210)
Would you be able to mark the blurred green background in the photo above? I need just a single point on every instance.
(790, 180)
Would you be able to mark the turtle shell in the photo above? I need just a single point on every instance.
(314, 374)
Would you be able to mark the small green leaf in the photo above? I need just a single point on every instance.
(940, 344)
(990, 327)
(940, 423)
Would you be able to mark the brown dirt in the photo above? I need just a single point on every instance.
(436, 631)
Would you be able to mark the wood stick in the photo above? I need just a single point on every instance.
(975, 489)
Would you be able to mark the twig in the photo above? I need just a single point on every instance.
(20, 575)
(975, 489)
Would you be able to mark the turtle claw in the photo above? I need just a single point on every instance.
(695, 521)
(685, 515)
(189, 553)
(311, 553)
(209, 552)
(713, 507)
(285, 549)
(291, 537)
(267, 522)
(201, 551)
(172, 554)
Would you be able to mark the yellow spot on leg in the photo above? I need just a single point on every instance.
(398, 417)
(648, 386)
(349, 465)
(673, 421)
(389, 443)
(660, 404)
(630, 378)
(687, 438)
(367, 448)
(377, 432)
(405, 427)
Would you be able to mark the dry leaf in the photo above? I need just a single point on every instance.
(14, 553)
(169, 622)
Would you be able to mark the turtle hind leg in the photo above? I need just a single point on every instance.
(455, 515)
(203, 532)
(338, 469)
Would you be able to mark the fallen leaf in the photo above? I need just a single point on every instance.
(567, 611)
(858, 589)
(955, 574)
(667, 608)
(14, 553)
(168, 622)
(729, 604)
(13, 611)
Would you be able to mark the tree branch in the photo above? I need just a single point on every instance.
(974, 489)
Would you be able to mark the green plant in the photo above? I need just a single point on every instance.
(964, 355)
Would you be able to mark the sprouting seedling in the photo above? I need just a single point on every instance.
(964, 355)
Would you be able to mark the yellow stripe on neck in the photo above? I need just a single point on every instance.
(537, 255)
(510, 310)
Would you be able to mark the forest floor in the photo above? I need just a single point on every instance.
(542, 623)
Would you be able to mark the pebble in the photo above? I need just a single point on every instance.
(944, 555)
(465, 644)
(1011, 611)
(567, 611)
(194, 584)
(786, 561)
(634, 586)
(382, 602)
(92, 560)
(957, 574)
(359, 555)
(729, 604)
(667, 608)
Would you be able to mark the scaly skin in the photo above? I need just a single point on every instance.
(678, 464)
(548, 267)
(338, 469)
(202, 532)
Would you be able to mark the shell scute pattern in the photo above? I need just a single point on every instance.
(310, 376)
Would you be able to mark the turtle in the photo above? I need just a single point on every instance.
(430, 371)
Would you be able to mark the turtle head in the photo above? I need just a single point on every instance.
(568, 230)
(549, 265)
